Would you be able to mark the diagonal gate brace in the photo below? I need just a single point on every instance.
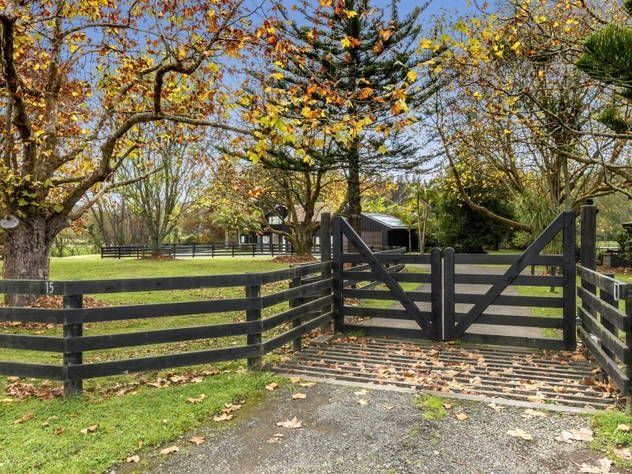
(381, 272)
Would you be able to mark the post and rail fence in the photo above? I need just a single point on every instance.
(318, 294)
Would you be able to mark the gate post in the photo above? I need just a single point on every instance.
(569, 293)
(448, 294)
(337, 266)
(436, 294)
(325, 246)
(588, 243)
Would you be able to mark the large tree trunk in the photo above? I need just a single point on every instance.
(26, 255)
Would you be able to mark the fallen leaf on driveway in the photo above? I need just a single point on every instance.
(360, 393)
(272, 386)
(133, 459)
(602, 467)
(197, 440)
(299, 396)
(231, 407)
(276, 438)
(363, 402)
(531, 413)
(582, 434)
(447, 406)
(461, 416)
(495, 407)
(90, 429)
(623, 427)
(293, 423)
(623, 453)
(388, 407)
(295, 379)
(223, 417)
(169, 450)
(518, 433)
(306, 384)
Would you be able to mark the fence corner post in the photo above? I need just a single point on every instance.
(436, 294)
(628, 343)
(569, 292)
(255, 339)
(72, 386)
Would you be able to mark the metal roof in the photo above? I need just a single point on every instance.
(386, 220)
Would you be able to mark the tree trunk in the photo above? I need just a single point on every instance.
(26, 255)
(354, 194)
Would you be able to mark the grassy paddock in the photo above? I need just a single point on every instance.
(51, 441)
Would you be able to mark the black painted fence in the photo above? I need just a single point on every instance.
(309, 296)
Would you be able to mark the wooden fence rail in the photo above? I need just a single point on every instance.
(309, 296)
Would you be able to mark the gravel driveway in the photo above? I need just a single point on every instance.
(348, 431)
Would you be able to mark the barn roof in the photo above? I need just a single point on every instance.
(386, 220)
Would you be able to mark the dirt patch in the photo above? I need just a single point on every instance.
(294, 259)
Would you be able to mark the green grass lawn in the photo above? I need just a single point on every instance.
(51, 440)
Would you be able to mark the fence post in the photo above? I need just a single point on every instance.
(193, 251)
(435, 294)
(325, 247)
(628, 343)
(569, 292)
(588, 244)
(295, 282)
(72, 386)
(610, 299)
(337, 267)
(232, 249)
(271, 247)
(212, 250)
(449, 290)
(254, 291)
(254, 247)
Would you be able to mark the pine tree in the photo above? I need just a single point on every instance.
(351, 81)
(608, 58)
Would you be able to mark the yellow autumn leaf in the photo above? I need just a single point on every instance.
(411, 76)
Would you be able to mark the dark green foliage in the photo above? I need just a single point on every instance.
(466, 230)
(608, 58)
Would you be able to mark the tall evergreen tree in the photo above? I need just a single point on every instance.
(608, 58)
(348, 80)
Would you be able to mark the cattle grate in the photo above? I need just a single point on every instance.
(566, 379)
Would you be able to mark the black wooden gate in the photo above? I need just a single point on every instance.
(430, 309)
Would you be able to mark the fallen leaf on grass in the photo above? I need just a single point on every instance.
(7, 400)
(223, 417)
(602, 467)
(59, 430)
(169, 450)
(195, 400)
(197, 440)
(24, 418)
(518, 433)
(531, 413)
(272, 386)
(90, 429)
(299, 396)
(292, 424)
(623, 427)
(582, 434)
(133, 459)
(461, 416)
(623, 453)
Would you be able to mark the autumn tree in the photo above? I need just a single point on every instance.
(519, 108)
(76, 79)
(343, 95)
(166, 180)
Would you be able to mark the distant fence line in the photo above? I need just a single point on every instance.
(206, 250)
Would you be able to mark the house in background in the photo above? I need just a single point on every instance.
(378, 231)
(385, 230)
